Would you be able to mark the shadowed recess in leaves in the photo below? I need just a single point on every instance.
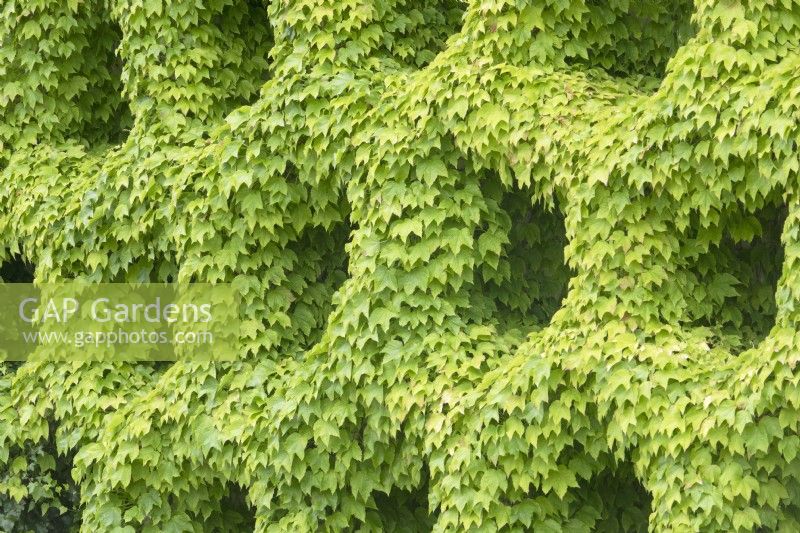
(628, 38)
(523, 276)
(37, 492)
(738, 264)
(624, 504)
(16, 269)
(403, 510)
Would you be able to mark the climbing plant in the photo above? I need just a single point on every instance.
(502, 264)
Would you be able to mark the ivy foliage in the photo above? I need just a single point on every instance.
(503, 264)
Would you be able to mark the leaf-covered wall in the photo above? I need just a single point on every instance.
(524, 265)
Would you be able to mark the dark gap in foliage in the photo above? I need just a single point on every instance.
(403, 510)
(236, 513)
(323, 261)
(17, 269)
(630, 39)
(219, 506)
(316, 261)
(14, 269)
(152, 268)
(440, 20)
(52, 503)
(739, 274)
(623, 502)
(113, 118)
(525, 284)
(247, 23)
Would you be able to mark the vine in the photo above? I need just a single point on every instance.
(503, 265)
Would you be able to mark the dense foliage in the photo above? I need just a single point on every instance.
(504, 264)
